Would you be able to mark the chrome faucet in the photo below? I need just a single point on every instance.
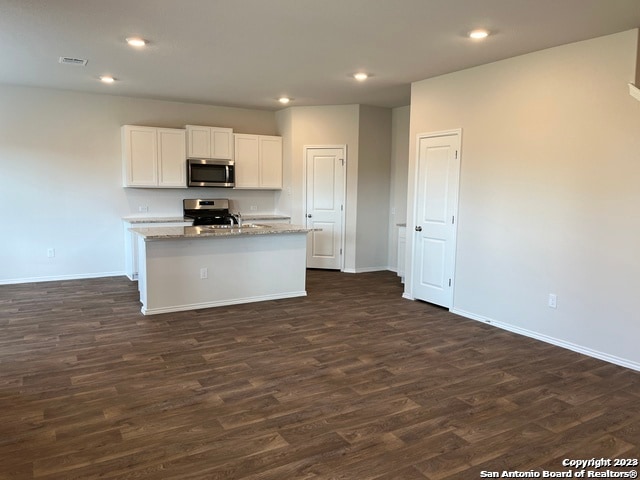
(235, 218)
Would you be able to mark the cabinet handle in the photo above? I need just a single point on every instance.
(418, 228)
(308, 215)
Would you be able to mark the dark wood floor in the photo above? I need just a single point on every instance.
(352, 382)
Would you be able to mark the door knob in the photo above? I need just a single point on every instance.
(308, 215)
(418, 228)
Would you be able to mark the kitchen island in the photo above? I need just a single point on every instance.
(187, 267)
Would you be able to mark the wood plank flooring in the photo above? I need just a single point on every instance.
(351, 382)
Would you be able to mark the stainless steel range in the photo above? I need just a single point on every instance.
(209, 211)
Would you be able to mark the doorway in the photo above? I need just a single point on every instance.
(325, 202)
(435, 225)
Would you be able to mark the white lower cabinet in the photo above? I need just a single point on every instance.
(402, 244)
(131, 244)
(258, 161)
(153, 157)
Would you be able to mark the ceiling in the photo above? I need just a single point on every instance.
(247, 53)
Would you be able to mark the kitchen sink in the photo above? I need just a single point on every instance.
(244, 226)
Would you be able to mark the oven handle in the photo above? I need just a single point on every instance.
(230, 174)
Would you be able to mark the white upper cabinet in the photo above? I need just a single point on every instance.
(140, 156)
(209, 142)
(258, 161)
(271, 162)
(172, 166)
(153, 157)
(247, 164)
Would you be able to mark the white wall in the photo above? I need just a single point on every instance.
(60, 177)
(637, 83)
(366, 133)
(323, 125)
(549, 192)
(399, 174)
(374, 165)
(60, 168)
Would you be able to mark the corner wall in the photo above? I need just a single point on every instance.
(638, 63)
(399, 177)
(374, 165)
(548, 192)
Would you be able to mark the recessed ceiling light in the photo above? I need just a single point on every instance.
(136, 41)
(478, 34)
(360, 76)
(107, 79)
(284, 100)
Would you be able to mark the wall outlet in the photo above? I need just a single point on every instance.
(553, 300)
(253, 208)
(143, 208)
(204, 273)
(51, 252)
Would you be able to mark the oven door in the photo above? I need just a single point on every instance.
(210, 173)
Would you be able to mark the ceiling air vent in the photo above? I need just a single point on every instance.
(73, 61)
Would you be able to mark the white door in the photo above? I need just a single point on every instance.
(326, 174)
(435, 218)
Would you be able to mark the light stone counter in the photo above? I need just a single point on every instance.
(170, 219)
(264, 217)
(148, 219)
(160, 233)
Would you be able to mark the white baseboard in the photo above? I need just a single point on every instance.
(55, 278)
(221, 303)
(371, 269)
(366, 269)
(554, 341)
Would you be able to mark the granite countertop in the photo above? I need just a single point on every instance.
(143, 219)
(168, 219)
(250, 216)
(158, 233)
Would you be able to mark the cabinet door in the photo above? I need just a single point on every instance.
(131, 244)
(171, 158)
(402, 245)
(222, 143)
(247, 161)
(198, 142)
(271, 162)
(139, 145)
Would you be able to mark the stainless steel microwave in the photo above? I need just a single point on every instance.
(205, 172)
